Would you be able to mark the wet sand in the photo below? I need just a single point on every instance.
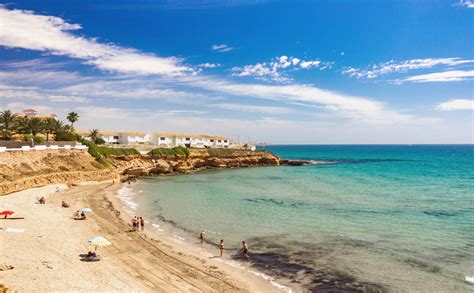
(42, 252)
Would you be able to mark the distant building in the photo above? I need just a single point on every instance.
(118, 137)
(170, 140)
(243, 146)
(32, 113)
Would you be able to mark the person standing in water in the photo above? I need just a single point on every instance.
(245, 250)
(202, 236)
(221, 246)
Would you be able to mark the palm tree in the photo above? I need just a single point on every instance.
(50, 126)
(72, 117)
(31, 126)
(94, 134)
(7, 123)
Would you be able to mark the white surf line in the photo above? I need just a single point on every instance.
(236, 264)
(469, 279)
(269, 279)
(180, 238)
(125, 195)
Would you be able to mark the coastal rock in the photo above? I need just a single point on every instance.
(22, 170)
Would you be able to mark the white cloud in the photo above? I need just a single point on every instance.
(392, 66)
(67, 99)
(277, 70)
(446, 76)
(351, 107)
(209, 65)
(26, 30)
(465, 3)
(309, 64)
(456, 104)
(251, 108)
(221, 48)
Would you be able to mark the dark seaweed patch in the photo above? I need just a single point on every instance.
(317, 279)
(422, 265)
(440, 214)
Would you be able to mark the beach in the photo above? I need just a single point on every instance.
(42, 251)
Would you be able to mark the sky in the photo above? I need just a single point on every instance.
(283, 72)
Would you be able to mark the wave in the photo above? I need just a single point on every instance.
(323, 161)
(125, 194)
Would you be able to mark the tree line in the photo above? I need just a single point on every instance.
(12, 124)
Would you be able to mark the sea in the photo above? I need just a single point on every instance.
(359, 218)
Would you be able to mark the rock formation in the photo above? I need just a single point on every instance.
(22, 170)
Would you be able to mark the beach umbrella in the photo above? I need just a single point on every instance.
(99, 241)
(86, 210)
(7, 213)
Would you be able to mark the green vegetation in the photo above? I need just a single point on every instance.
(164, 152)
(15, 124)
(7, 123)
(99, 152)
(37, 139)
(72, 117)
(65, 136)
(106, 151)
(219, 152)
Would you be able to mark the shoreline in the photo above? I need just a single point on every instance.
(195, 248)
(134, 261)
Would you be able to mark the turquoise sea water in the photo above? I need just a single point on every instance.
(398, 218)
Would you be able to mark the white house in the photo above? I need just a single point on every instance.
(170, 140)
(243, 146)
(119, 137)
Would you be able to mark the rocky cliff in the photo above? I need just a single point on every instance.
(23, 170)
(195, 161)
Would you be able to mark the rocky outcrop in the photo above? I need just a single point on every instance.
(22, 170)
(195, 161)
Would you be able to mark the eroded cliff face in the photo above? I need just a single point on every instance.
(197, 160)
(23, 170)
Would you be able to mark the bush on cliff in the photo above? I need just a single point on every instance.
(164, 152)
(99, 152)
(65, 136)
(219, 152)
(36, 138)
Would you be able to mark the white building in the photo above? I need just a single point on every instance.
(170, 140)
(119, 137)
(243, 146)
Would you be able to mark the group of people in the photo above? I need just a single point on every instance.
(138, 223)
(245, 247)
(80, 215)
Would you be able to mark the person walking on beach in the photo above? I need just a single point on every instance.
(221, 246)
(202, 236)
(134, 223)
(142, 224)
(245, 250)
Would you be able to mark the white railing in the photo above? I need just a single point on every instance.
(43, 148)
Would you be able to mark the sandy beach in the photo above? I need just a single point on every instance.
(42, 251)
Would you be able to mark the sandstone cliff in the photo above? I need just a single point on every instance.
(195, 161)
(23, 170)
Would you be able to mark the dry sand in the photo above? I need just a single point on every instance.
(44, 250)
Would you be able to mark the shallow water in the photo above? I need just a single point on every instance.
(393, 218)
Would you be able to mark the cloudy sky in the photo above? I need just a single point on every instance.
(264, 71)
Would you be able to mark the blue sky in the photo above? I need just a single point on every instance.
(273, 71)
